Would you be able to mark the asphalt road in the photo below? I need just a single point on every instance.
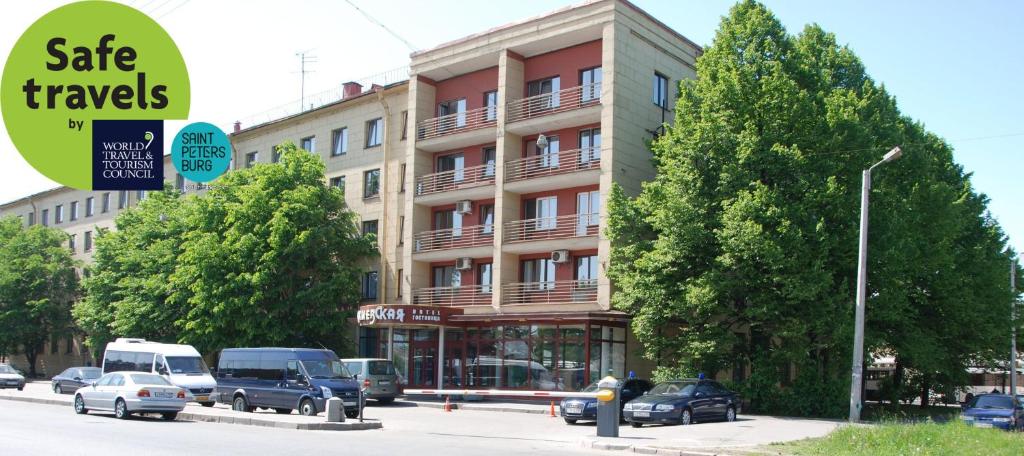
(37, 429)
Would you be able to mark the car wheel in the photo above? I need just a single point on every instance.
(730, 414)
(385, 400)
(570, 421)
(686, 417)
(121, 410)
(207, 404)
(282, 411)
(56, 388)
(21, 388)
(307, 408)
(240, 404)
(80, 405)
(169, 416)
(637, 425)
(352, 414)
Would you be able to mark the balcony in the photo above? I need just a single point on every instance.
(468, 241)
(557, 292)
(457, 130)
(553, 171)
(551, 111)
(462, 296)
(573, 231)
(474, 182)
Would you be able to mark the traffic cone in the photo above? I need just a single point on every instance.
(447, 404)
(553, 409)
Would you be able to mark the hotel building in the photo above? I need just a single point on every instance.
(484, 174)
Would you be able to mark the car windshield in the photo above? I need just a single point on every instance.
(149, 379)
(992, 402)
(675, 388)
(7, 370)
(187, 365)
(326, 368)
(91, 373)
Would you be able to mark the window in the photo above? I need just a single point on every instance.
(491, 102)
(338, 182)
(588, 209)
(251, 158)
(58, 214)
(309, 144)
(74, 210)
(339, 142)
(488, 159)
(586, 270)
(140, 195)
(547, 157)
(71, 242)
(374, 132)
(485, 277)
(369, 227)
(539, 272)
(405, 123)
(453, 162)
(487, 217)
(90, 206)
(590, 146)
(31, 218)
(452, 114)
(544, 212)
(370, 285)
(401, 187)
(401, 275)
(275, 154)
(88, 241)
(660, 91)
(547, 87)
(446, 276)
(46, 217)
(401, 229)
(371, 183)
(590, 85)
(179, 183)
(122, 199)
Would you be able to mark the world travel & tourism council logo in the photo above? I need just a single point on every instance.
(84, 94)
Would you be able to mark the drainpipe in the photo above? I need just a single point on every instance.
(385, 196)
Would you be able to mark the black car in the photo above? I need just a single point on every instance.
(585, 408)
(73, 378)
(683, 402)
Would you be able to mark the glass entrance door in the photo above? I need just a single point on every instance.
(423, 362)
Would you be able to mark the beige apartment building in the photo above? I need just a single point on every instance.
(483, 173)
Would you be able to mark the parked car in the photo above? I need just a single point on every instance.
(11, 378)
(1001, 411)
(127, 393)
(180, 365)
(575, 409)
(376, 376)
(284, 379)
(73, 378)
(683, 402)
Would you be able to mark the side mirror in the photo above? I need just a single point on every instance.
(77, 379)
(301, 379)
(698, 394)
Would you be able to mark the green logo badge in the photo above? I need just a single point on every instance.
(85, 62)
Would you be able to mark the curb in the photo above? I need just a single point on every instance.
(640, 449)
(241, 420)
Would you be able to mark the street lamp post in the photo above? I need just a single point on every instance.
(862, 279)
(1013, 327)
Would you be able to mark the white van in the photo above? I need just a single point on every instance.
(179, 364)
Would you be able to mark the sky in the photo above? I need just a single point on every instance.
(954, 66)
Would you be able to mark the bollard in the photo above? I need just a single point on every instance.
(608, 407)
(335, 410)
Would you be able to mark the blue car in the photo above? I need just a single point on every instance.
(585, 408)
(683, 402)
(994, 411)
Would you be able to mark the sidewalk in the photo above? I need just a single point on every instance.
(39, 392)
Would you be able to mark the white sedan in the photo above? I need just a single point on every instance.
(126, 393)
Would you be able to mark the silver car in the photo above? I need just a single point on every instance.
(377, 378)
(125, 393)
(10, 378)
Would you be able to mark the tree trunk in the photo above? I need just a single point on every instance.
(895, 393)
(924, 392)
(30, 355)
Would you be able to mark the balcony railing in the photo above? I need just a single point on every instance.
(462, 296)
(564, 162)
(561, 291)
(454, 238)
(458, 122)
(444, 181)
(561, 227)
(550, 103)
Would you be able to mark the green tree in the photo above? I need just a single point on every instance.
(129, 282)
(271, 256)
(744, 247)
(38, 283)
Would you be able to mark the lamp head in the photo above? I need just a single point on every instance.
(893, 154)
(542, 142)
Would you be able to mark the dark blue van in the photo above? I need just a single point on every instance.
(284, 379)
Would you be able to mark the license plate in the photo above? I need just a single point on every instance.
(574, 410)
(983, 425)
(642, 414)
(349, 404)
(12, 382)
(163, 394)
(202, 398)
(384, 382)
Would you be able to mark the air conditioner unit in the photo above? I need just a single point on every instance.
(464, 207)
(464, 263)
(560, 256)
